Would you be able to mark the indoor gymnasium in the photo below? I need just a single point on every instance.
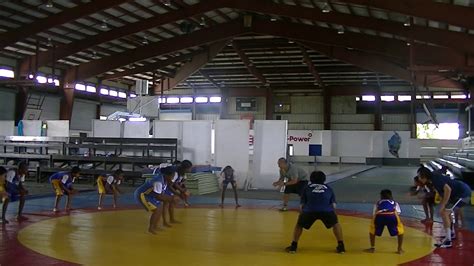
(236, 132)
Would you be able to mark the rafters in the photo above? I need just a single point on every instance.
(249, 64)
(311, 67)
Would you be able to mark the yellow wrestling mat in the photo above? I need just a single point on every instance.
(212, 237)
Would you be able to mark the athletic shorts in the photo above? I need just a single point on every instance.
(307, 219)
(391, 221)
(148, 202)
(57, 188)
(296, 188)
(225, 183)
(463, 202)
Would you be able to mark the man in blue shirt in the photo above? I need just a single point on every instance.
(317, 203)
(455, 194)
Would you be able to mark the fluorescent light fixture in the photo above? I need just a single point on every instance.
(215, 99)
(201, 99)
(90, 88)
(186, 99)
(113, 93)
(357, 99)
(50, 80)
(122, 119)
(403, 98)
(103, 117)
(30, 76)
(458, 96)
(368, 98)
(133, 95)
(7, 73)
(441, 96)
(104, 91)
(56, 82)
(387, 98)
(137, 119)
(80, 87)
(41, 79)
(423, 96)
(122, 94)
(172, 100)
(161, 100)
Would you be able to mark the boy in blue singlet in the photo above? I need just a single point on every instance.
(15, 188)
(62, 185)
(152, 193)
(386, 213)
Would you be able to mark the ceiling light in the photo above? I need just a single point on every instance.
(50, 43)
(145, 40)
(326, 8)
(104, 24)
(340, 30)
(166, 2)
(407, 22)
(203, 22)
(408, 44)
(49, 4)
(94, 55)
(273, 19)
(290, 41)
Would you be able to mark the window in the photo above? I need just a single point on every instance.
(186, 99)
(104, 91)
(443, 131)
(215, 99)
(441, 96)
(357, 99)
(41, 79)
(368, 98)
(172, 100)
(133, 95)
(122, 95)
(80, 87)
(113, 93)
(458, 96)
(90, 88)
(103, 117)
(404, 98)
(161, 100)
(7, 73)
(201, 99)
(387, 98)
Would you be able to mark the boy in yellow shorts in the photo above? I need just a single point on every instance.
(109, 184)
(62, 184)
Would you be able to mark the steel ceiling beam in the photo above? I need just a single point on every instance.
(194, 65)
(65, 16)
(63, 51)
(248, 63)
(197, 38)
(451, 39)
(443, 12)
(379, 64)
(311, 67)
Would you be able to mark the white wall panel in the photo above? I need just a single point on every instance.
(135, 129)
(170, 130)
(57, 128)
(7, 128)
(270, 144)
(197, 141)
(106, 129)
(232, 146)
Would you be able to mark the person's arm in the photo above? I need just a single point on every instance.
(280, 181)
(397, 208)
(293, 174)
(446, 195)
(333, 199)
(158, 191)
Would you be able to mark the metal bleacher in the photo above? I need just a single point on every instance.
(460, 163)
(95, 156)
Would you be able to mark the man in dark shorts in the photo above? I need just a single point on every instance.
(293, 178)
(317, 203)
(454, 193)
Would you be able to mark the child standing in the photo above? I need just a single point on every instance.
(151, 194)
(228, 178)
(182, 168)
(15, 189)
(427, 200)
(109, 184)
(62, 184)
(318, 202)
(386, 213)
(3, 193)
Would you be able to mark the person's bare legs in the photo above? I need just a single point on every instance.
(337, 230)
(400, 243)
(115, 199)
(286, 198)
(21, 205)
(154, 220)
(372, 244)
(68, 202)
(431, 208)
(234, 187)
(171, 212)
(101, 198)
(224, 188)
(165, 210)
(297, 232)
(4, 210)
(56, 203)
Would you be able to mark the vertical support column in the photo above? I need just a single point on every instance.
(21, 101)
(224, 102)
(326, 109)
(413, 105)
(67, 101)
(378, 110)
(269, 104)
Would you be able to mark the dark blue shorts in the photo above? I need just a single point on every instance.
(391, 221)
